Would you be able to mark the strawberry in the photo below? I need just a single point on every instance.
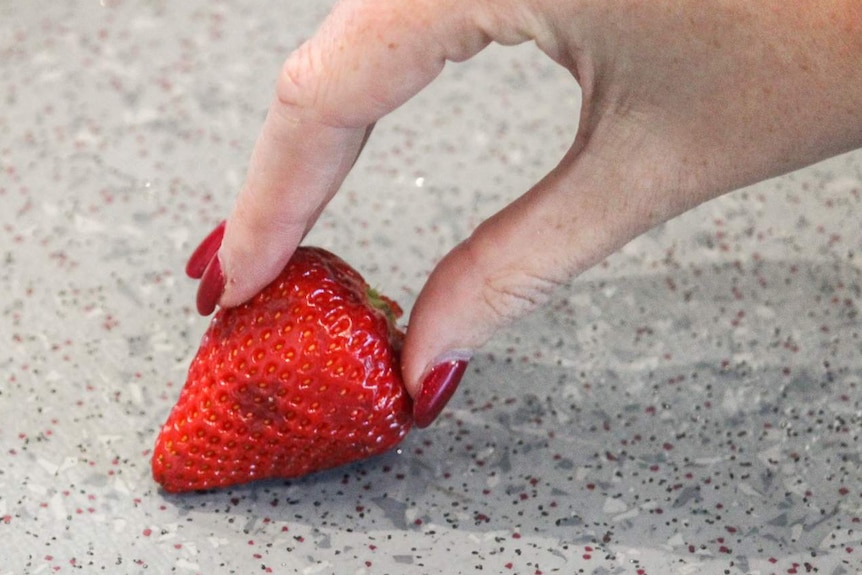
(303, 377)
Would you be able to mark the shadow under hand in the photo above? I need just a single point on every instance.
(711, 414)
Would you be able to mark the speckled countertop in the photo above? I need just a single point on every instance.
(692, 405)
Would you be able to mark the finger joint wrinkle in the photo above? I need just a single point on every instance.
(512, 296)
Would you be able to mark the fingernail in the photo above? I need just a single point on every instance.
(438, 387)
(204, 253)
(211, 287)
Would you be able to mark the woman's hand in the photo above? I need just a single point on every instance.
(682, 101)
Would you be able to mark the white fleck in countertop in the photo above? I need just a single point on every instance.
(691, 405)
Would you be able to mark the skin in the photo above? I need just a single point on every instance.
(682, 101)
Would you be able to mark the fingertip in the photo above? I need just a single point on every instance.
(253, 253)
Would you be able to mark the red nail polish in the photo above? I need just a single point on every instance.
(437, 389)
(204, 253)
(211, 287)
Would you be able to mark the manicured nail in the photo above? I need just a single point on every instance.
(204, 253)
(438, 387)
(211, 287)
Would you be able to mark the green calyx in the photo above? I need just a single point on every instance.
(380, 302)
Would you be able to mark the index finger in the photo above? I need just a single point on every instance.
(366, 59)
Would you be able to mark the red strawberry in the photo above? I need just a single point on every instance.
(303, 377)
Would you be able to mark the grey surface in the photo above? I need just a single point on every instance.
(691, 405)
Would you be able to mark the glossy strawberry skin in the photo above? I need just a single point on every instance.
(303, 377)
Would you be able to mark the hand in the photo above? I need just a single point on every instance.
(682, 101)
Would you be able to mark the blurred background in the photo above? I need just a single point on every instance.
(691, 405)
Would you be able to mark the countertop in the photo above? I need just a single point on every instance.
(691, 405)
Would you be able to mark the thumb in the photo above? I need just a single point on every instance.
(582, 211)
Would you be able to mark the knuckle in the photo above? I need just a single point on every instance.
(322, 80)
(296, 86)
(511, 290)
(517, 293)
